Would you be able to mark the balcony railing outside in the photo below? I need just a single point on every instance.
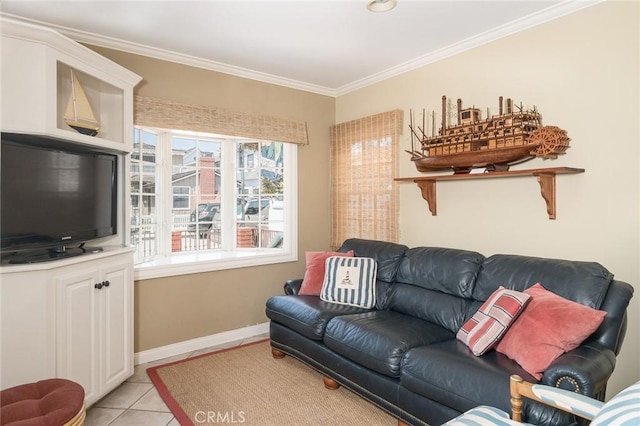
(183, 240)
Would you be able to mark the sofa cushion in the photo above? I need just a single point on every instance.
(450, 374)
(446, 270)
(387, 255)
(350, 281)
(548, 327)
(314, 272)
(379, 339)
(582, 282)
(439, 308)
(308, 315)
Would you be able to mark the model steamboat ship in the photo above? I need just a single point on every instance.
(495, 143)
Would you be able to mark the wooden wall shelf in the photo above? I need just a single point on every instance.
(546, 178)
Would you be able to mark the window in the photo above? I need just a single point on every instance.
(181, 197)
(203, 202)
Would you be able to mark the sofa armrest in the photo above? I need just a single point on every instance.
(584, 370)
(292, 286)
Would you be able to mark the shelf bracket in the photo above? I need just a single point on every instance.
(547, 183)
(546, 178)
(428, 189)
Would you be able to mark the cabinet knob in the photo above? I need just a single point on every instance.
(102, 284)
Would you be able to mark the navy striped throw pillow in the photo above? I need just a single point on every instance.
(350, 281)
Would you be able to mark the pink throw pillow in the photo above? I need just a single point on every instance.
(314, 275)
(549, 326)
(484, 329)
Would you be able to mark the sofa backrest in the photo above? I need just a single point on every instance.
(582, 282)
(436, 284)
(588, 283)
(446, 286)
(388, 257)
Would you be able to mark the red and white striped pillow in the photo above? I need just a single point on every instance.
(487, 326)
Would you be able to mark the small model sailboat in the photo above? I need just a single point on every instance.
(79, 115)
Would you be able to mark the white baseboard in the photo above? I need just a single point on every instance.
(199, 343)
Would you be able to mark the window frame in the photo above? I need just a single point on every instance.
(228, 257)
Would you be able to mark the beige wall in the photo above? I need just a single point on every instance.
(176, 309)
(582, 72)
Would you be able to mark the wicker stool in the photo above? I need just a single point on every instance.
(51, 402)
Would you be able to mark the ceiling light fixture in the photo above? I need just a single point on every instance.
(381, 5)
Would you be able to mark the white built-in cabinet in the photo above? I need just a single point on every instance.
(70, 318)
(94, 317)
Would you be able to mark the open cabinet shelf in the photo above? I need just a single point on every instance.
(105, 99)
(36, 87)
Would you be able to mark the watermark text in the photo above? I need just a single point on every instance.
(220, 417)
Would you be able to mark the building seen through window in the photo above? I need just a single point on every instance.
(200, 192)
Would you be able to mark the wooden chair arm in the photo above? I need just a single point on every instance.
(561, 399)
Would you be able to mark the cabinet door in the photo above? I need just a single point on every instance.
(78, 352)
(116, 324)
(95, 333)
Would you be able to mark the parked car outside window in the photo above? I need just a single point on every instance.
(205, 217)
(257, 210)
(208, 217)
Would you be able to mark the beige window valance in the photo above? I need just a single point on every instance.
(154, 112)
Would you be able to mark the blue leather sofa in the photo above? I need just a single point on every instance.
(403, 355)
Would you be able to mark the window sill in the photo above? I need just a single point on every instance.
(198, 262)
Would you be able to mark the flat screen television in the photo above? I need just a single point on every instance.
(55, 197)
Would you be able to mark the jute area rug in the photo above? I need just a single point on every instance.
(246, 385)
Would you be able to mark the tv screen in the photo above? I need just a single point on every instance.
(54, 195)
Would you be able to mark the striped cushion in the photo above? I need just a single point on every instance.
(483, 416)
(570, 401)
(621, 410)
(350, 281)
(485, 328)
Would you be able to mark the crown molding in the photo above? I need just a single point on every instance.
(194, 61)
(21, 29)
(170, 56)
(546, 15)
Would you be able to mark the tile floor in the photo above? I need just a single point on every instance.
(137, 403)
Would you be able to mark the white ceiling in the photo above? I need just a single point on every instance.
(323, 46)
